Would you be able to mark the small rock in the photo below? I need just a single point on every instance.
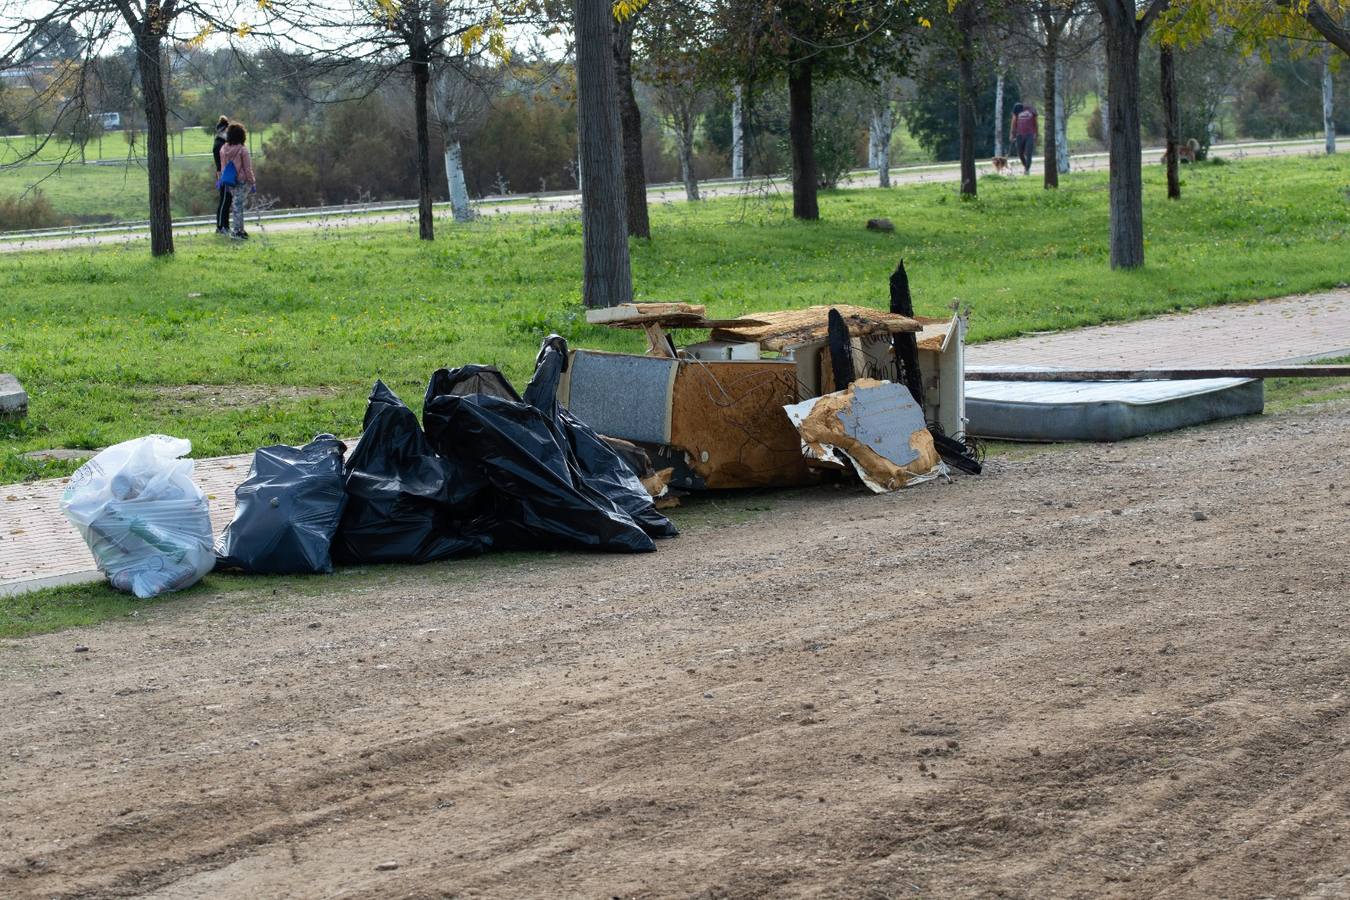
(1117, 512)
(883, 225)
(81, 648)
(1035, 751)
(312, 625)
(707, 696)
(255, 743)
(388, 866)
(1198, 516)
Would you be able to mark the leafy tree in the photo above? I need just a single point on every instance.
(859, 39)
(1124, 24)
(371, 41)
(33, 29)
(932, 112)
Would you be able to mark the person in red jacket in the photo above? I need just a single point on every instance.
(237, 173)
(1024, 132)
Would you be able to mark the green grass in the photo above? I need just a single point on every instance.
(99, 193)
(113, 145)
(1284, 394)
(289, 332)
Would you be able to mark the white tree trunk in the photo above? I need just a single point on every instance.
(738, 133)
(1061, 120)
(872, 142)
(687, 160)
(883, 126)
(454, 176)
(998, 111)
(1328, 111)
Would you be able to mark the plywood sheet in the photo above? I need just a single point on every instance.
(790, 327)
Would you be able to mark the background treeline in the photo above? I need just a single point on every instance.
(321, 146)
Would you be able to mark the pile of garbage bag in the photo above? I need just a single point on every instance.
(486, 469)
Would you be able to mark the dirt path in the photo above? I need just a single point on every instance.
(1057, 680)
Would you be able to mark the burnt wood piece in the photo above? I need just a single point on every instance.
(841, 351)
(905, 344)
(955, 453)
(1180, 374)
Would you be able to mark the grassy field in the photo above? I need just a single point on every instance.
(112, 146)
(236, 346)
(105, 192)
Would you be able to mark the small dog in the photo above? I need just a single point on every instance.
(1000, 164)
(1185, 152)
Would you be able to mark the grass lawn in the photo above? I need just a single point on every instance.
(113, 145)
(101, 193)
(236, 346)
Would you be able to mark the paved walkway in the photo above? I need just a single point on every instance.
(38, 548)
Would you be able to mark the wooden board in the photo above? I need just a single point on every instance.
(728, 418)
(630, 312)
(790, 327)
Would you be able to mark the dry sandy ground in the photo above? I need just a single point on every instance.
(1056, 680)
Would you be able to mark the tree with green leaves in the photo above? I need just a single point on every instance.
(807, 42)
(371, 41)
(82, 30)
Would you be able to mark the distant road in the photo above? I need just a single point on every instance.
(384, 213)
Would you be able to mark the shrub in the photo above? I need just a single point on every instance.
(27, 212)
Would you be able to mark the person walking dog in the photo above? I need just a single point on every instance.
(1024, 128)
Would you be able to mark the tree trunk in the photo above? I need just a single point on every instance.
(1105, 105)
(738, 132)
(607, 279)
(1061, 119)
(998, 111)
(421, 77)
(805, 179)
(630, 123)
(1050, 61)
(149, 63)
(1168, 82)
(872, 129)
(1328, 112)
(687, 156)
(883, 122)
(1126, 178)
(965, 64)
(454, 177)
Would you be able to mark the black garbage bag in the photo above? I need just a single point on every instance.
(602, 467)
(541, 498)
(405, 503)
(287, 511)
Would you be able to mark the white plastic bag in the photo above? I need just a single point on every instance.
(143, 517)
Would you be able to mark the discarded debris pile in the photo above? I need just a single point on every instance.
(491, 470)
(712, 412)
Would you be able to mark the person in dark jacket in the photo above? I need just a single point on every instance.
(224, 201)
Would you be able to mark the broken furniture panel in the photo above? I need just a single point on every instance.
(876, 426)
(720, 424)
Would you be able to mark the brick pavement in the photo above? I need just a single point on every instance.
(39, 548)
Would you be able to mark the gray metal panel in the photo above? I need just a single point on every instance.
(1104, 411)
(621, 395)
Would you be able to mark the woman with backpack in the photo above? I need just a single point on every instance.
(236, 173)
(224, 200)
